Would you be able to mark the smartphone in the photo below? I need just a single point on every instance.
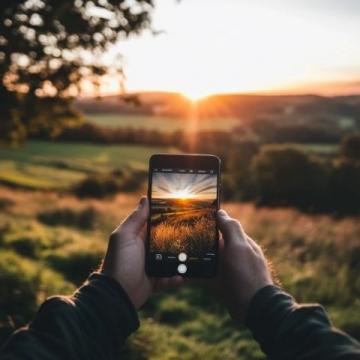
(182, 231)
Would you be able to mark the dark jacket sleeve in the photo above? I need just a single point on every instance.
(287, 330)
(91, 324)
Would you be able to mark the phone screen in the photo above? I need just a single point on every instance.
(183, 230)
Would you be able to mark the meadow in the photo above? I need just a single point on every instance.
(51, 165)
(182, 227)
(157, 122)
(43, 252)
(50, 240)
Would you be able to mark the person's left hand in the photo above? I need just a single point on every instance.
(125, 258)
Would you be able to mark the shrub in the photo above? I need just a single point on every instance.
(5, 203)
(24, 284)
(96, 186)
(345, 186)
(26, 246)
(350, 147)
(75, 265)
(174, 311)
(287, 176)
(84, 219)
(105, 185)
(131, 180)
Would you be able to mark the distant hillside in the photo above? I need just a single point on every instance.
(234, 105)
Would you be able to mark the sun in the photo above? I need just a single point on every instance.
(181, 194)
(195, 94)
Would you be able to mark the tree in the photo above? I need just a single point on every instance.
(286, 175)
(47, 47)
(345, 189)
(350, 147)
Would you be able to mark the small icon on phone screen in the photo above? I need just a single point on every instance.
(182, 257)
(182, 268)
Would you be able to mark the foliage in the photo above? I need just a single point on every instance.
(52, 165)
(350, 147)
(316, 258)
(103, 185)
(345, 189)
(285, 175)
(24, 285)
(288, 175)
(47, 48)
(76, 264)
(84, 219)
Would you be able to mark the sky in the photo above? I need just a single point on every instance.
(183, 186)
(222, 46)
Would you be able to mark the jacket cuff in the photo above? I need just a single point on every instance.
(269, 306)
(111, 301)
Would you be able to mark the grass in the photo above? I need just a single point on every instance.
(51, 165)
(319, 149)
(317, 259)
(190, 231)
(159, 122)
(182, 225)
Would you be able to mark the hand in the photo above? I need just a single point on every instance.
(243, 267)
(125, 258)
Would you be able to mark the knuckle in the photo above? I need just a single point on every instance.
(115, 235)
(240, 247)
(233, 224)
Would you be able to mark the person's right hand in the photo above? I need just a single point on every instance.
(243, 268)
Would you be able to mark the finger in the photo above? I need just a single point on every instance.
(230, 228)
(137, 219)
(255, 246)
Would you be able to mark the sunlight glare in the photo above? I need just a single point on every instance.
(195, 94)
(181, 194)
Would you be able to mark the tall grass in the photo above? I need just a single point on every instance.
(317, 258)
(191, 233)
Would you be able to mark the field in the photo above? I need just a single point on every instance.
(182, 226)
(43, 252)
(158, 122)
(51, 240)
(51, 165)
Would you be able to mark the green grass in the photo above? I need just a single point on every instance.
(319, 149)
(51, 165)
(159, 122)
(316, 258)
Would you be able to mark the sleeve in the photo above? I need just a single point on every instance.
(287, 330)
(91, 324)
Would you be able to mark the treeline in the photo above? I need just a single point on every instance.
(264, 130)
(202, 141)
(270, 174)
(285, 175)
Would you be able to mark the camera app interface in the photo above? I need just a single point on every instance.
(183, 216)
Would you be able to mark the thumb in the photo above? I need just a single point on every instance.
(137, 219)
(230, 228)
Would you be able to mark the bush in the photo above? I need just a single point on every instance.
(350, 147)
(102, 186)
(83, 219)
(24, 284)
(26, 246)
(238, 183)
(96, 186)
(5, 203)
(174, 311)
(345, 186)
(285, 175)
(75, 265)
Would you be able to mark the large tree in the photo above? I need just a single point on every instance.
(47, 47)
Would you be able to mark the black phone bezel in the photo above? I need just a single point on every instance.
(182, 161)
